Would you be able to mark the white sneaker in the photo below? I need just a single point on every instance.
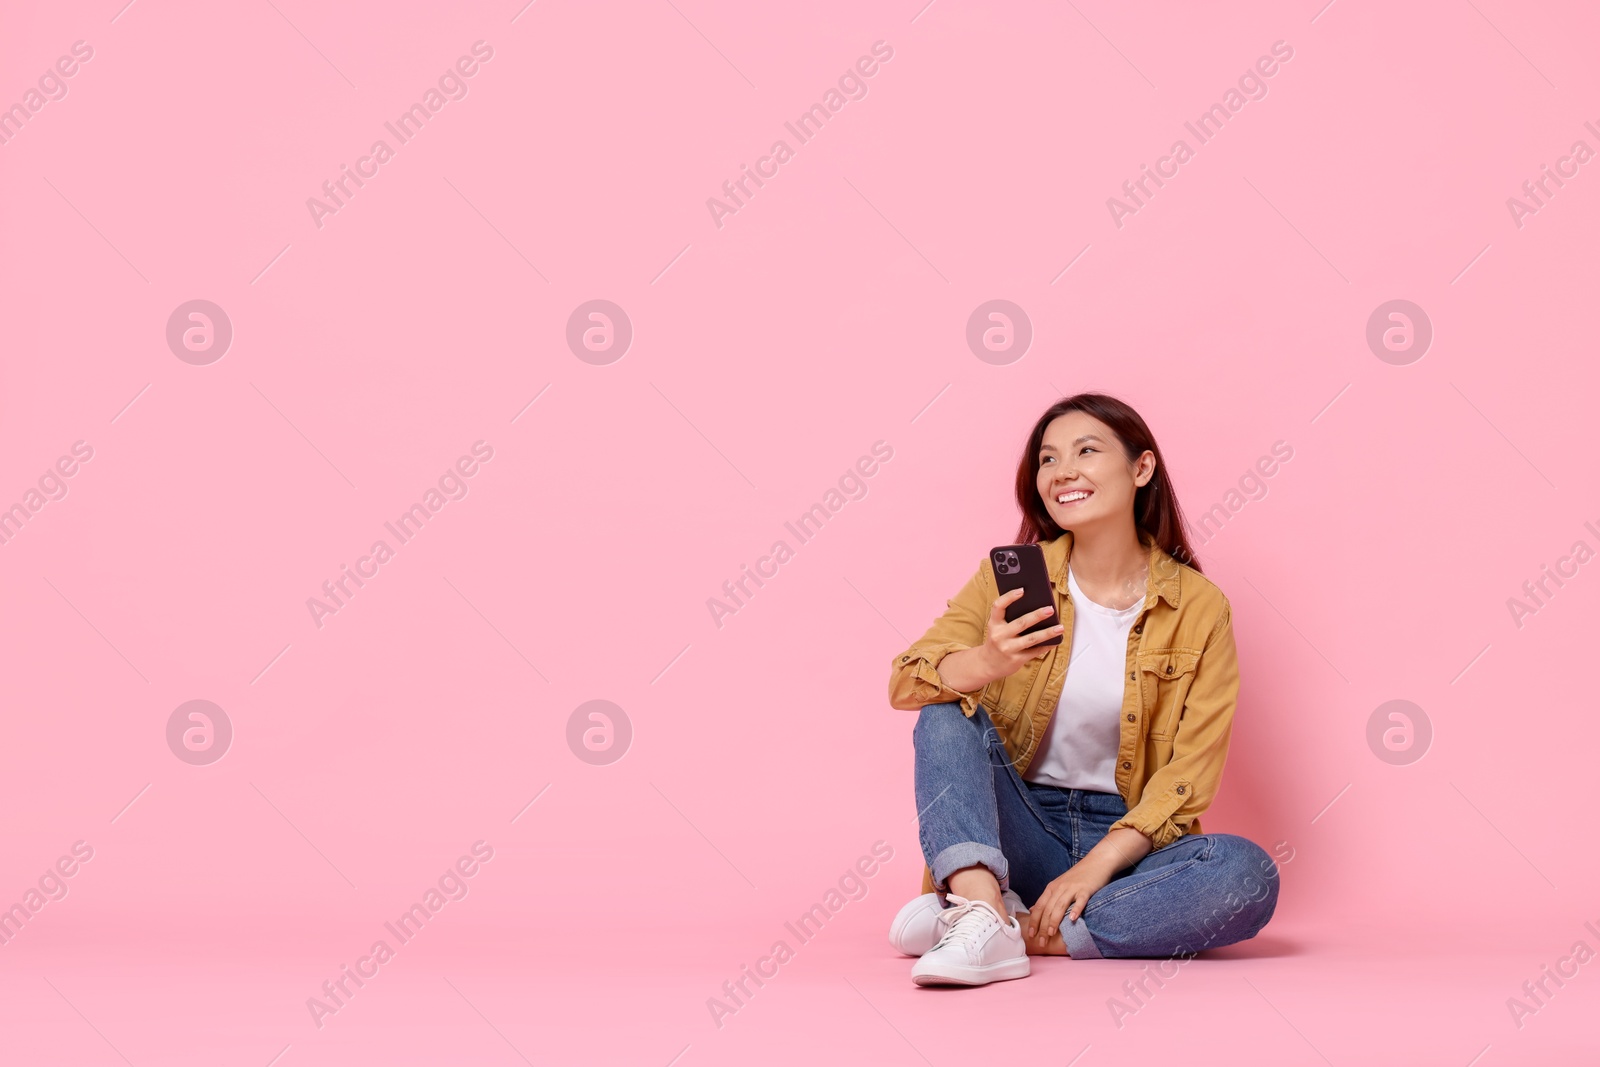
(977, 948)
(923, 921)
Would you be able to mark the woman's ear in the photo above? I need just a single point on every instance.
(1146, 467)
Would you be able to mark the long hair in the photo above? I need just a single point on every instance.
(1156, 513)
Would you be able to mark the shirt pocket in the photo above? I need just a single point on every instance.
(1165, 677)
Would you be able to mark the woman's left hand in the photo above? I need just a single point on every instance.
(1067, 896)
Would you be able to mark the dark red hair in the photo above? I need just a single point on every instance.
(1156, 513)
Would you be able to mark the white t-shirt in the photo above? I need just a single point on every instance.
(1079, 747)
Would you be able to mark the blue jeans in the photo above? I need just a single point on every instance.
(1201, 891)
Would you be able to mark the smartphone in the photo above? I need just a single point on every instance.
(1022, 566)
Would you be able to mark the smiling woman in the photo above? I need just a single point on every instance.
(1072, 796)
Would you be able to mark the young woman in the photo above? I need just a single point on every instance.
(1060, 807)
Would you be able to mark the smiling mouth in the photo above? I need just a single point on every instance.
(1073, 496)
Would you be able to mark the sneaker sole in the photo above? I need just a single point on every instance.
(1002, 971)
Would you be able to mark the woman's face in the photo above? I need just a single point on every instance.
(1083, 477)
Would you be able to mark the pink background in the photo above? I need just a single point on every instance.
(768, 355)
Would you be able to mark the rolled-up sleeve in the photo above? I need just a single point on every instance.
(914, 674)
(1180, 791)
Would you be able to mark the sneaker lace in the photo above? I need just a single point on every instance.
(967, 921)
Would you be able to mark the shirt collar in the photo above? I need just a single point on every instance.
(1163, 579)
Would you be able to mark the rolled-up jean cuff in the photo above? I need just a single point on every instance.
(966, 854)
(1080, 946)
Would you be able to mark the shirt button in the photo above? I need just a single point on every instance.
(1179, 790)
(904, 659)
(1126, 765)
(1169, 668)
(1130, 718)
(1139, 629)
(1130, 677)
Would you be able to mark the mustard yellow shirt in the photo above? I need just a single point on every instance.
(1177, 705)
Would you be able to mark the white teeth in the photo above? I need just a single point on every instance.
(1076, 494)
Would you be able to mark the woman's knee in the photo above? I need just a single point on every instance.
(940, 721)
(1247, 875)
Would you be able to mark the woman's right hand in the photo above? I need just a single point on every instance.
(1007, 649)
